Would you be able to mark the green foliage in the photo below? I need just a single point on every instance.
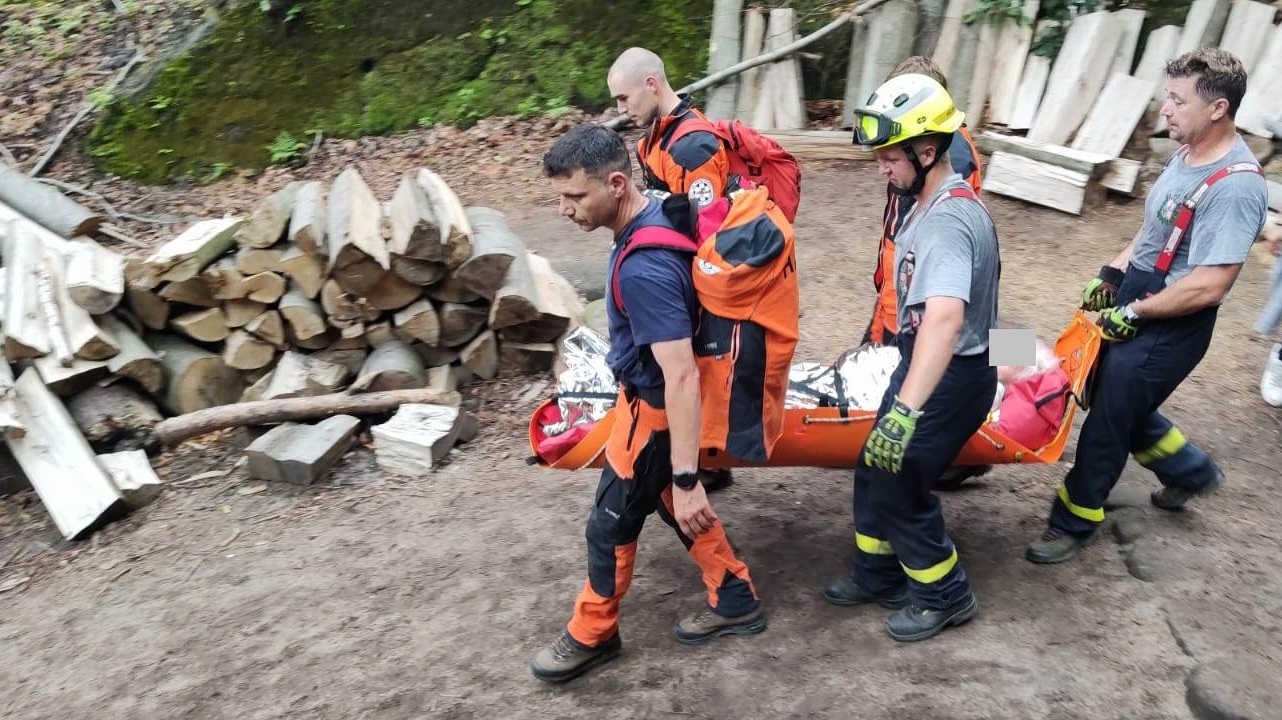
(1059, 15)
(996, 12)
(284, 149)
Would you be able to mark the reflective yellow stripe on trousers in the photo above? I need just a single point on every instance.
(935, 572)
(1085, 513)
(872, 545)
(1169, 444)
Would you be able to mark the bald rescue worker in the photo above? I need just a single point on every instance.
(1158, 301)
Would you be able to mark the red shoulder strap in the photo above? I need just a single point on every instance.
(1185, 217)
(647, 237)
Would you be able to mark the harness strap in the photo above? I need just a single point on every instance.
(647, 237)
(1185, 217)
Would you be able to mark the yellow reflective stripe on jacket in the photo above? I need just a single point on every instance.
(1169, 444)
(935, 572)
(872, 545)
(1085, 513)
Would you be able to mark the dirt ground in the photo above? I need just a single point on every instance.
(372, 596)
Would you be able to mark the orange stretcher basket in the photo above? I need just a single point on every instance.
(833, 437)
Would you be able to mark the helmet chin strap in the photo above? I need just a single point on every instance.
(919, 181)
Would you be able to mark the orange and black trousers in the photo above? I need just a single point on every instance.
(636, 482)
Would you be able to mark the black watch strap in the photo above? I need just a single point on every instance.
(685, 481)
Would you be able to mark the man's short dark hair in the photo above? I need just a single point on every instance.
(1220, 74)
(592, 148)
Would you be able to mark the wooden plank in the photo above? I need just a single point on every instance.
(819, 144)
(1123, 176)
(95, 277)
(723, 51)
(961, 71)
(855, 93)
(1247, 31)
(1093, 165)
(1013, 42)
(754, 35)
(133, 476)
(891, 29)
(1036, 182)
(86, 339)
(66, 380)
(58, 461)
(301, 454)
(950, 31)
(10, 412)
(1029, 96)
(1114, 117)
(1078, 74)
(26, 333)
(1203, 26)
(1132, 23)
(1263, 100)
(1159, 48)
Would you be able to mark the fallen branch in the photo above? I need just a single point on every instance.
(112, 212)
(262, 412)
(8, 155)
(116, 233)
(772, 56)
(88, 108)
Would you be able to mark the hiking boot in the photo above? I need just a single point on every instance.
(844, 591)
(567, 658)
(1174, 498)
(915, 623)
(1056, 546)
(954, 477)
(714, 480)
(706, 624)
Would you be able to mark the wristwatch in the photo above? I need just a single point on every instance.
(685, 481)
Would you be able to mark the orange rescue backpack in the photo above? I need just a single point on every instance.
(744, 265)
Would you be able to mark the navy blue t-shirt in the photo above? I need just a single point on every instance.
(658, 292)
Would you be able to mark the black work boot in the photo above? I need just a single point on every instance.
(843, 590)
(714, 480)
(954, 477)
(567, 658)
(1056, 546)
(915, 623)
(1174, 498)
(706, 624)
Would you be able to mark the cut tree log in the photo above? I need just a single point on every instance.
(268, 326)
(1159, 47)
(556, 306)
(196, 378)
(784, 77)
(87, 341)
(349, 359)
(301, 454)
(304, 317)
(724, 51)
(418, 323)
(308, 220)
(204, 325)
(754, 34)
(10, 414)
(115, 417)
(481, 356)
(1014, 41)
(193, 292)
(1029, 96)
(25, 331)
(299, 375)
(67, 380)
(447, 210)
(265, 287)
(187, 255)
(393, 292)
(523, 358)
(1077, 76)
(391, 366)
(95, 276)
(1263, 100)
(1246, 33)
(1116, 114)
(419, 272)
(135, 360)
(515, 302)
(379, 333)
(1037, 182)
(150, 309)
(1093, 165)
(442, 377)
(436, 356)
(342, 307)
(240, 312)
(460, 323)
(58, 461)
(452, 289)
(357, 253)
(251, 261)
(417, 246)
(223, 280)
(133, 476)
(494, 248)
(1132, 24)
(243, 351)
(306, 272)
(415, 439)
(264, 412)
(1123, 176)
(45, 205)
(269, 221)
(47, 289)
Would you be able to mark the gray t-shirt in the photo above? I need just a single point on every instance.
(1226, 220)
(948, 247)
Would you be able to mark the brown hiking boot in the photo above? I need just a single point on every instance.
(1056, 546)
(567, 658)
(1175, 498)
(706, 624)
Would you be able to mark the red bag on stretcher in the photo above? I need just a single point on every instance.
(1033, 408)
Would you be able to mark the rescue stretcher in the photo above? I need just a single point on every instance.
(833, 437)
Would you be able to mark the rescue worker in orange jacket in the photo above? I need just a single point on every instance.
(965, 161)
(695, 164)
(653, 450)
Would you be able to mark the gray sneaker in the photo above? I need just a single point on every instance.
(706, 624)
(1175, 498)
(567, 659)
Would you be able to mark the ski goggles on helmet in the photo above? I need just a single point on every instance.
(873, 128)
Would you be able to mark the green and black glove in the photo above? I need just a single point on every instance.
(889, 439)
(1119, 324)
(1101, 292)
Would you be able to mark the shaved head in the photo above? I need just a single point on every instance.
(639, 85)
(634, 64)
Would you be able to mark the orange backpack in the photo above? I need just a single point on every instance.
(745, 276)
(752, 156)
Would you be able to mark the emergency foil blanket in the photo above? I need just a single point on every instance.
(857, 380)
(586, 389)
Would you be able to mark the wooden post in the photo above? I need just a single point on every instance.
(754, 35)
(856, 94)
(1029, 97)
(722, 53)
